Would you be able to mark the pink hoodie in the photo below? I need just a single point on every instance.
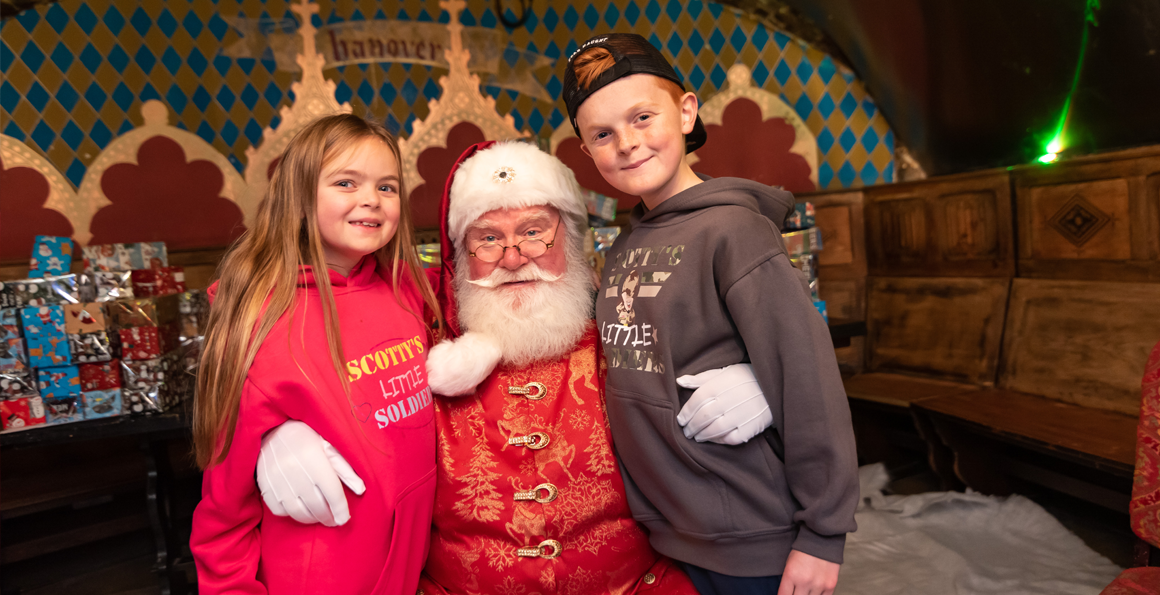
(386, 431)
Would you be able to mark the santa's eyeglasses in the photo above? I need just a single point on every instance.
(532, 248)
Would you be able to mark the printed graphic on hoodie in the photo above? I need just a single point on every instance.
(637, 274)
(398, 372)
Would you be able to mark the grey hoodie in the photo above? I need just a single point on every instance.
(702, 282)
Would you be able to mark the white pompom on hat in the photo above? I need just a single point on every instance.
(511, 175)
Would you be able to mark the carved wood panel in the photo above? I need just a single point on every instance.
(1087, 220)
(1093, 218)
(899, 228)
(967, 226)
(947, 227)
(1081, 342)
(944, 327)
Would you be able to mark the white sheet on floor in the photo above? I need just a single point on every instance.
(950, 543)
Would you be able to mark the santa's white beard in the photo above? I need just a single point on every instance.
(535, 322)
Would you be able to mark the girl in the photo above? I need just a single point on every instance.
(317, 317)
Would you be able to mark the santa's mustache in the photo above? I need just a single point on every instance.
(528, 272)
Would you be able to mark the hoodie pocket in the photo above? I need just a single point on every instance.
(703, 490)
(664, 477)
(410, 535)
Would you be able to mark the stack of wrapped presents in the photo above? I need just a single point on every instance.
(121, 338)
(803, 241)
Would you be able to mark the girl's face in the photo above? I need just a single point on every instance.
(358, 203)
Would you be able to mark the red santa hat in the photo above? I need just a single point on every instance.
(490, 176)
(500, 175)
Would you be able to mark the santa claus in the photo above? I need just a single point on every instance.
(529, 496)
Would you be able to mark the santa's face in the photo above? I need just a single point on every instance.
(508, 227)
(533, 308)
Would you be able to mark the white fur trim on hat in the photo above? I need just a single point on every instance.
(455, 368)
(510, 175)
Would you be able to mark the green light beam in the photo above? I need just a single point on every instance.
(1058, 137)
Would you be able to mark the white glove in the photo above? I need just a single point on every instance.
(300, 475)
(727, 406)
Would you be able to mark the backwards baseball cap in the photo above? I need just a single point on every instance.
(632, 54)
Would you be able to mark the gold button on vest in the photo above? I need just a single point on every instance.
(534, 493)
(650, 578)
(534, 391)
(534, 441)
(548, 549)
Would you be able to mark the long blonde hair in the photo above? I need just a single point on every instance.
(259, 276)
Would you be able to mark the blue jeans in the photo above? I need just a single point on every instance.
(715, 583)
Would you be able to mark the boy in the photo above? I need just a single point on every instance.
(715, 288)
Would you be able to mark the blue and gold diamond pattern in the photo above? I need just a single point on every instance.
(75, 73)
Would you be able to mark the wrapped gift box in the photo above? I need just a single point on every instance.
(155, 282)
(143, 374)
(39, 292)
(45, 353)
(154, 385)
(12, 355)
(10, 323)
(17, 384)
(61, 410)
(141, 401)
(51, 255)
(125, 257)
(45, 337)
(802, 242)
(157, 312)
(43, 321)
(821, 306)
(194, 309)
(104, 286)
(102, 376)
(84, 318)
(91, 347)
(22, 413)
(140, 343)
(802, 216)
(59, 382)
(102, 403)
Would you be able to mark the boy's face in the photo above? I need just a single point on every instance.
(635, 133)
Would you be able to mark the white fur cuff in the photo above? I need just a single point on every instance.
(455, 368)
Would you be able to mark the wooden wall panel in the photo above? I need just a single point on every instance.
(845, 298)
(1093, 218)
(837, 239)
(944, 327)
(957, 226)
(840, 217)
(1081, 342)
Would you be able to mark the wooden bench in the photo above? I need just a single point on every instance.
(1064, 414)
(1024, 379)
(926, 337)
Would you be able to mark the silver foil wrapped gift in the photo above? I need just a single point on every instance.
(105, 286)
(39, 292)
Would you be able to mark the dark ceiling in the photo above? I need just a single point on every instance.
(970, 84)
